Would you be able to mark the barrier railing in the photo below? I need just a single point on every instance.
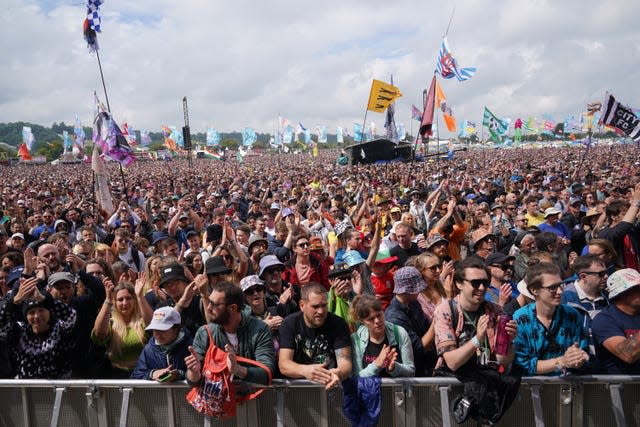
(408, 402)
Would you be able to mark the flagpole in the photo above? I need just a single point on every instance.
(106, 98)
(437, 138)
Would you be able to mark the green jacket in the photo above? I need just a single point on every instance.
(254, 342)
(396, 335)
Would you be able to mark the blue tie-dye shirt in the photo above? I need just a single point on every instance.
(535, 342)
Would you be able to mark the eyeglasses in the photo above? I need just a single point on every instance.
(303, 245)
(601, 274)
(435, 268)
(253, 290)
(475, 283)
(553, 289)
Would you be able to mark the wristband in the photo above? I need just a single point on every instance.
(559, 366)
(109, 303)
(475, 342)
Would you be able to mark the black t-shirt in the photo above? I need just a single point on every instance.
(314, 345)
(373, 350)
(404, 254)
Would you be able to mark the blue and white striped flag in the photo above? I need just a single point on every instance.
(339, 136)
(357, 133)
(322, 134)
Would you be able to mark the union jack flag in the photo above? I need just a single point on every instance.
(447, 66)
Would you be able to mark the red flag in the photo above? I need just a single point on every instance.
(427, 113)
(24, 152)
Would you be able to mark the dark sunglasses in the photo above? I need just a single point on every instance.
(475, 283)
(303, 245)
(254, 290)
(554, 288)
(435, 268)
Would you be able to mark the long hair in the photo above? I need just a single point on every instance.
(151, 275)
(119, 326)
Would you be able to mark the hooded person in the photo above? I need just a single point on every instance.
(41, 347)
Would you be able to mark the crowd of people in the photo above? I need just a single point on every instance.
(325, 271)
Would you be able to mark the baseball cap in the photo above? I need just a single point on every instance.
(249, 282)
(408, 280)
(395, 209)
(384, 257)
(621, 281)
(551, 211)
(62, 276)
(172, 272)
(164, 319)
(497, 258)
(17, 236)
(522, 288)
(286, 212)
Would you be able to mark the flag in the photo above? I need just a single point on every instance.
(307, 136)
(79, 132)
(176, 136)
(208, 154)
(168, 141)
(321, 131)
(620, 117)
(496, 126)
(213, 137)
(381, 96)
(108, 136)
(447, 114)
(27, 137)
(101, 181)
(447, 66)
(248, 137)
(390, 121)
(415, 113)
(24, 152)
(287, 134)
(531, 125)
(92, 24)
(426, 125)
(357, 133)
(145, 139)
(67, 144)
(402, 133)
(371, 132)
(301, 126)
(339, 135)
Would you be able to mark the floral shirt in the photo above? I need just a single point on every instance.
(535, 342)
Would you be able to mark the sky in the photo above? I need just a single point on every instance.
(243, 63)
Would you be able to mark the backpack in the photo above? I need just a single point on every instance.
(216, 395)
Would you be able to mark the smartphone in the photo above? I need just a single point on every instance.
(165, 378)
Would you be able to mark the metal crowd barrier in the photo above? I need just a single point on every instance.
(409, 402)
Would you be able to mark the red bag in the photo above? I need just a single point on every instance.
(216, 395)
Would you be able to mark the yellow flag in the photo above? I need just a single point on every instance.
(382, 95)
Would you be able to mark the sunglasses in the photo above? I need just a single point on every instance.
(303, 245)
(505, 267)
(601, 274)
(254, 290)
(475, 283)
(553, 289)
(435, 268)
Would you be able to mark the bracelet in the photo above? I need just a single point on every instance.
(475, 342)
(558, 364)
(109, 303)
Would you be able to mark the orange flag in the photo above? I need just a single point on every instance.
(24, 152)
(441, 103)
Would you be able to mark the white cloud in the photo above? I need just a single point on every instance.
(242, 63)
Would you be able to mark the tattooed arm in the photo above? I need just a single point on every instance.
(625, 349)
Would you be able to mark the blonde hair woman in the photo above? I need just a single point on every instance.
(120, 325)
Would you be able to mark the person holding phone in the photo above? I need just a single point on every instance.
(163, 357)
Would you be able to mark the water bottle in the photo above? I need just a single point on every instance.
(502, 339)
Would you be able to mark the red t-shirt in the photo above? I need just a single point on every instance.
(383, 287)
